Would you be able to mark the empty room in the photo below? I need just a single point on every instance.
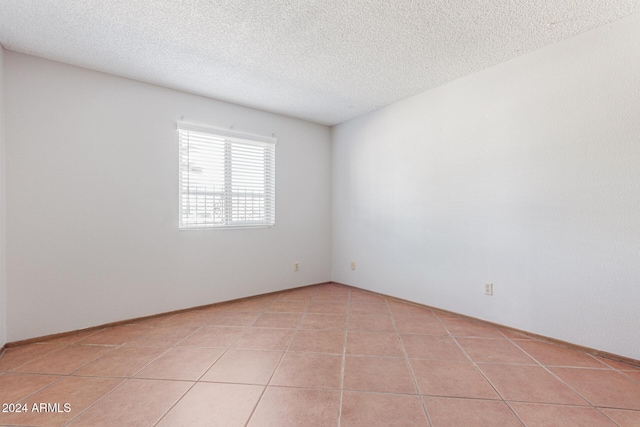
(320, 213)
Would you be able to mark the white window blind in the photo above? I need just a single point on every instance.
(227, 179)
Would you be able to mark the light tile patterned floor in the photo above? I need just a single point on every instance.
(326, 355)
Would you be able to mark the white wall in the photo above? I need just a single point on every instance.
(91, 188)
(3, 304)
(526, 175)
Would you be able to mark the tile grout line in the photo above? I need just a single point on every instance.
(210, 366)
(205, 371)
(629, 376)
(316, 292)
(609, 418)
(296, 329)
(406, 359)
(62, 347)
(593, 406)
(344, 357)
(198, 380)
(123, 345)
(96, 402)
(477, 368)
(127, 379)
(70, 374)
(23, 399)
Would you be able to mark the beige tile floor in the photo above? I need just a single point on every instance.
(326, 355)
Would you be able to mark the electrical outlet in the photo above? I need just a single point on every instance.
(353, 265)
(488, 288)
(296, 266)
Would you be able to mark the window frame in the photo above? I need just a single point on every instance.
(231, 142)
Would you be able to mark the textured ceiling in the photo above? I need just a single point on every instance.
(325, 61)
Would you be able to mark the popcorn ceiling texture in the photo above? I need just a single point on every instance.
(325, 61)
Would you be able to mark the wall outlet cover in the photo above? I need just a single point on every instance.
(488, 288)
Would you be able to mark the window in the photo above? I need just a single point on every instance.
(227, 179)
